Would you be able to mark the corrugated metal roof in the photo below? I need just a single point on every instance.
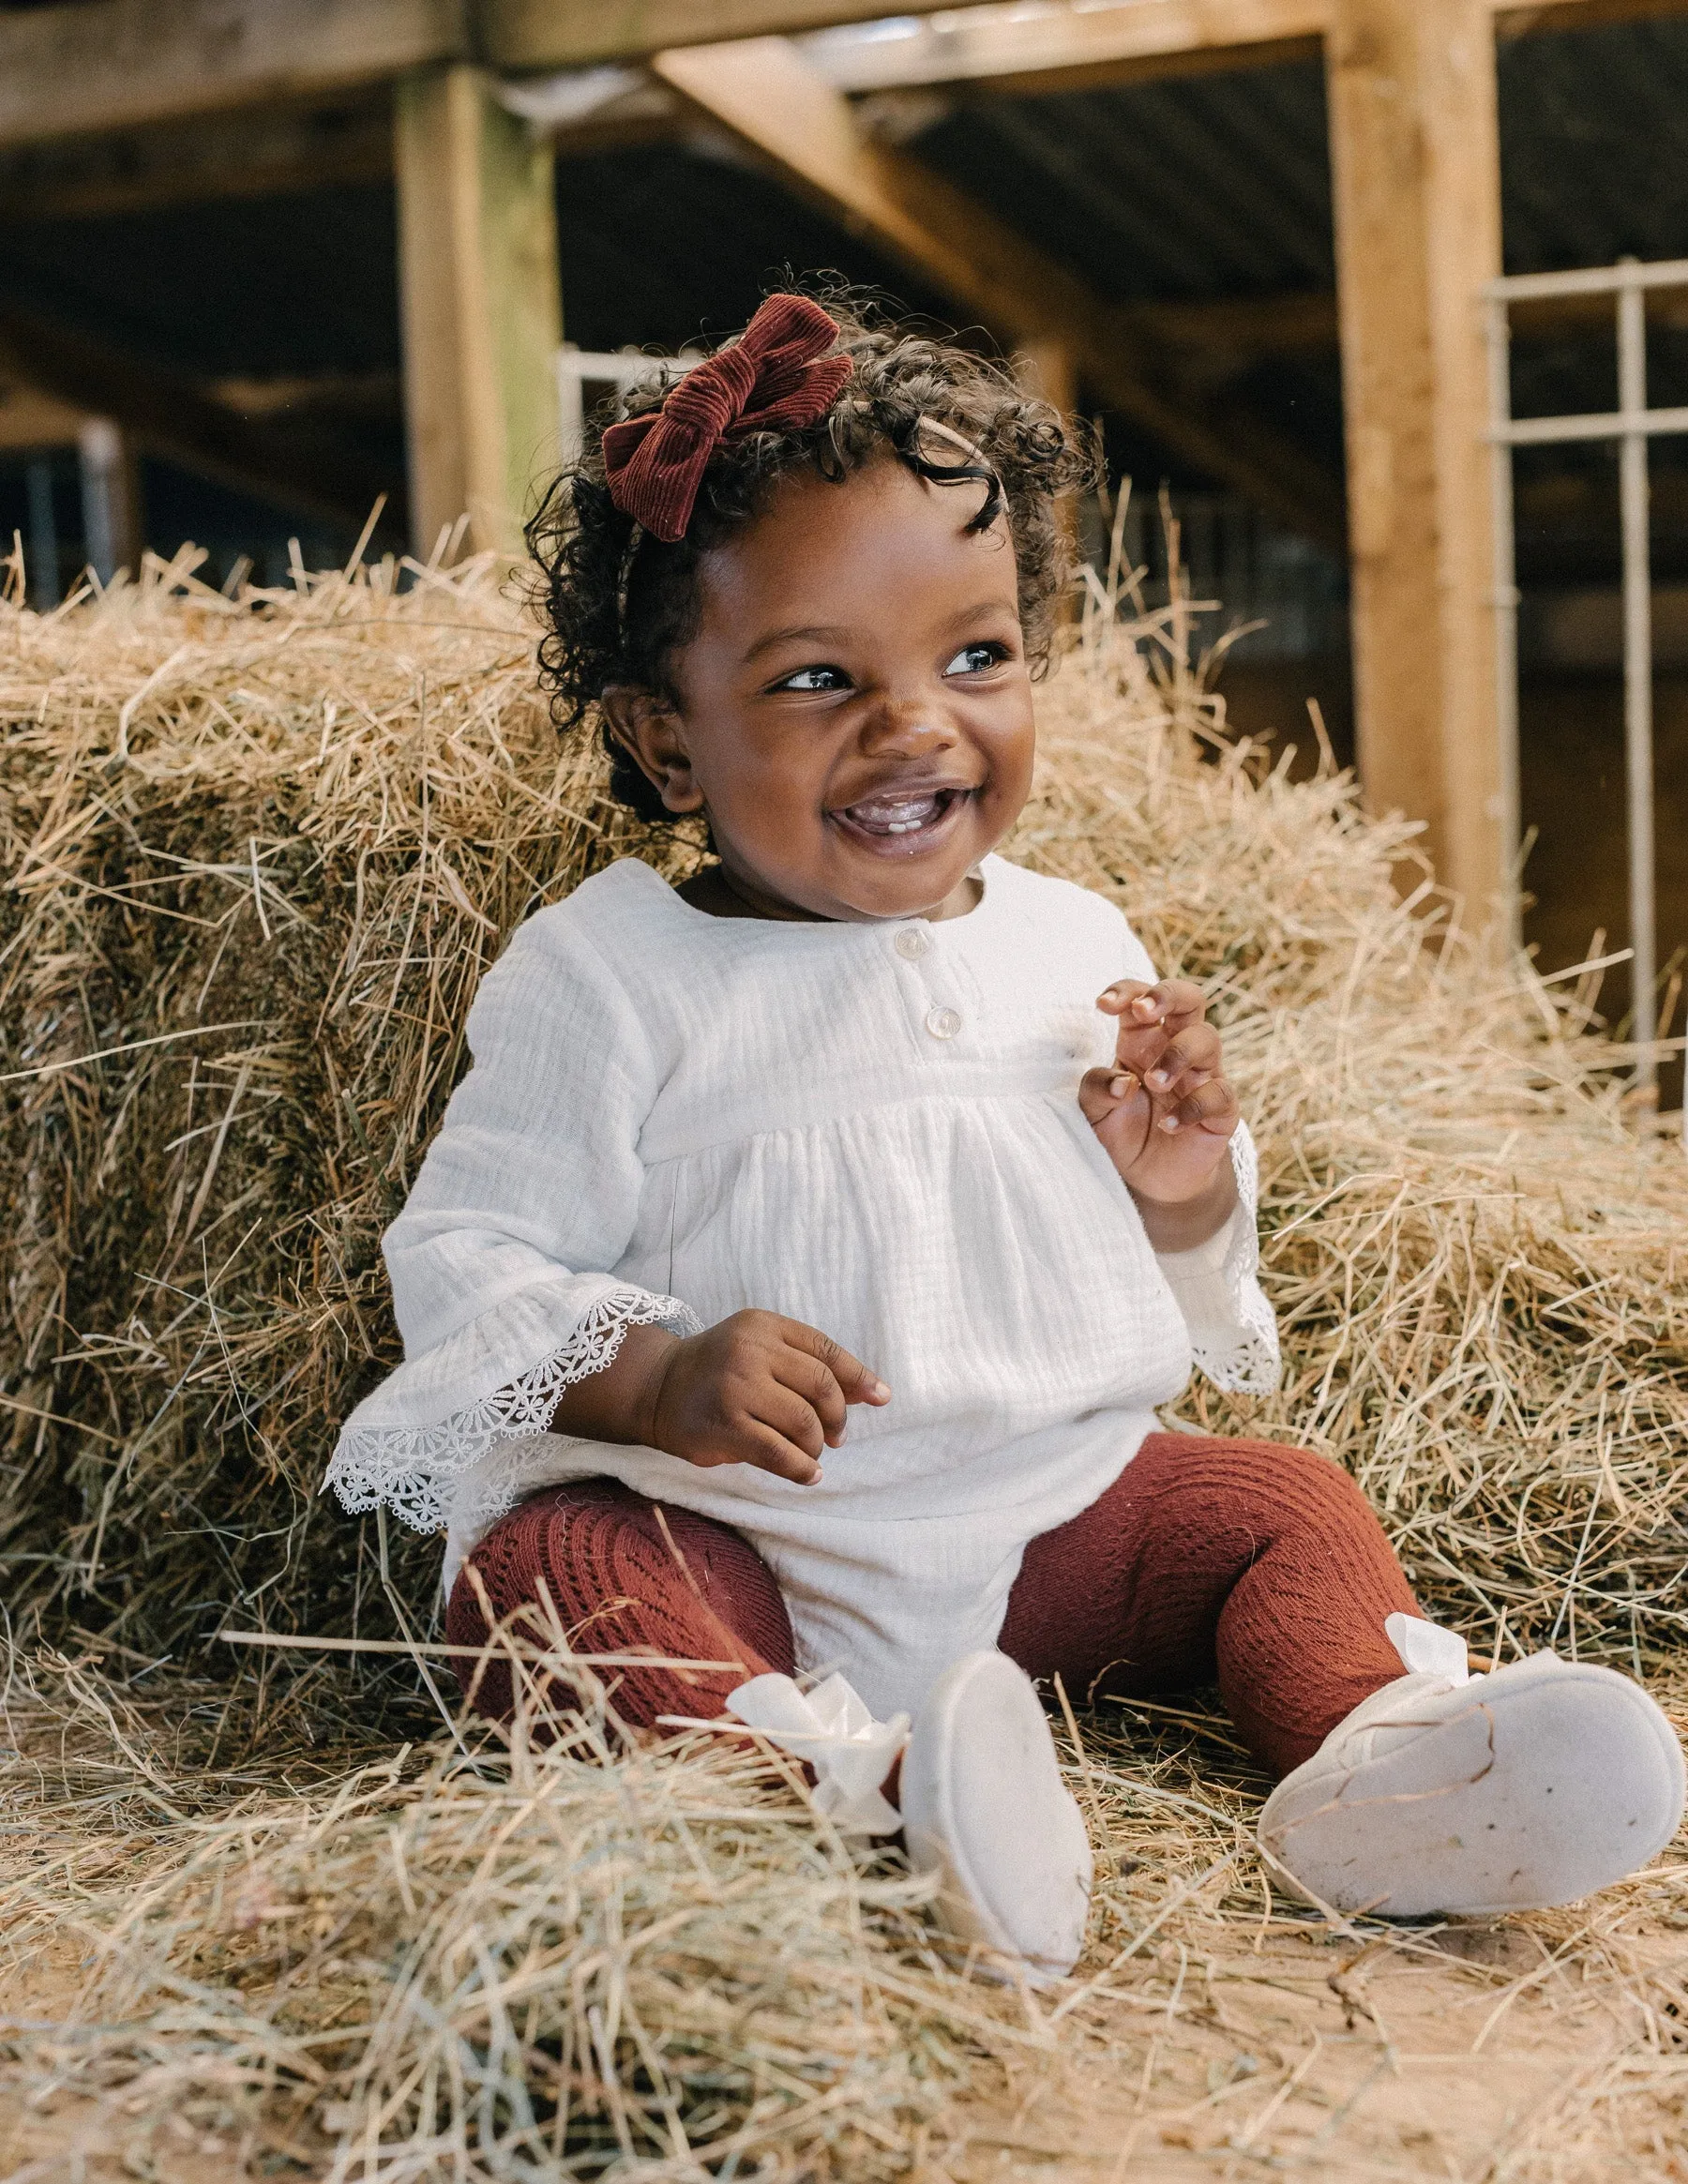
(1214, 186)
(1594, 146)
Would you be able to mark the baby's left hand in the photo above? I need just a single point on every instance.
(1164, 1113)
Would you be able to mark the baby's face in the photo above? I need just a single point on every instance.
(855, 710)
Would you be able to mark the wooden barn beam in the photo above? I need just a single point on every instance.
(477, 280)
(773, 100)
(1068, 50)
(1297, 322)
(561, 34)
(86, 66)
(170, 415)
(1415, 160)
(223, 155)
(31, 418)
(92, 65)
(1512, 19)
(1047, 370)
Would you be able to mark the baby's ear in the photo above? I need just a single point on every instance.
(654, 737)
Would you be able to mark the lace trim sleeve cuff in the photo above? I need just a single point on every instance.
(1233, 1331)
(413, 1471)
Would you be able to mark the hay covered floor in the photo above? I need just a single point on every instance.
(267, 1912)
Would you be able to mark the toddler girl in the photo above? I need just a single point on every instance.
(795, 1276)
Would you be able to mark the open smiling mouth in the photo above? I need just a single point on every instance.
(903, 818)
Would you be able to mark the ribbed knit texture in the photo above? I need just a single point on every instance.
(624, 1575)
(1261, 1565)
(775, 377)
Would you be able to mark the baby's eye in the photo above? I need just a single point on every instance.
(977, 659)
(814, 679)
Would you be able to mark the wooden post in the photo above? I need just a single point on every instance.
(478, 257)
(1416, 168)
(110, 496)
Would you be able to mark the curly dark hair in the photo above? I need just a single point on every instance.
(619, 603)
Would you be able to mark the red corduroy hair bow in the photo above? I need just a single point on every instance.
(775, 376)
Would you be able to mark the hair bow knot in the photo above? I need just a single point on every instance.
(775, 376)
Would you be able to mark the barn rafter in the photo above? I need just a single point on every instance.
(1413, 140)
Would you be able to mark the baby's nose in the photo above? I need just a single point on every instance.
(907, 727)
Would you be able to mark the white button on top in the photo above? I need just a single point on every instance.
(911, 943)
(943, 1023)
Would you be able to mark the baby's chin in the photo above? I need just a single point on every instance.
(850, 880)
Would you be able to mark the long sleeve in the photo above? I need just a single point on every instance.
(529, 1192)
(1233, 1331)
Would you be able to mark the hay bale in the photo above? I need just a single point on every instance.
(260, 850)
(280, 838)
(259, 854)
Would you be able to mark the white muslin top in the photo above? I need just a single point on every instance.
(873, 1128)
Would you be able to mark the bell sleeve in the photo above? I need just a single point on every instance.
(1232, 1329)
(498, 1262)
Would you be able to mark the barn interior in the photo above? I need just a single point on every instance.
(202, 332)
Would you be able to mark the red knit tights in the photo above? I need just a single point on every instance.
(1258, 1565)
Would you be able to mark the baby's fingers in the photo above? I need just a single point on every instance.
(769, 1450)
(1210, 1107)
(855, 1381)
(816, 1385)
(1185, 1062)
(1107, 1092)
(1173, 1003)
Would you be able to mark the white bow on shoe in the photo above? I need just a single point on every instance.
(830, 1726)
(1427, 1650)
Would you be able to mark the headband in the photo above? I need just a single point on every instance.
(775, 377)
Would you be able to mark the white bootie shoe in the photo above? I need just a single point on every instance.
(984, 1807)
(983, 1804)
(1451, 1793)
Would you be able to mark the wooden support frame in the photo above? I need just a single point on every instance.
(78, 69)
(1067, 51)
(1413, 131)
(478, 289)
(222, 155)
(86, 66)
(1415, 159)
(31, 418)
(776, 103)
(570, 34)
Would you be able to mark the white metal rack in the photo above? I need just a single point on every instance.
(1631, 425)
(578, 369)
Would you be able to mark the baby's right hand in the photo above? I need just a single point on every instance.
(757, 1388)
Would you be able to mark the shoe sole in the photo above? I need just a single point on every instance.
(1538, 1791)
(984, 1806)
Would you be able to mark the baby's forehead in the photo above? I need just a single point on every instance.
(817, 531)
(816, 509)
